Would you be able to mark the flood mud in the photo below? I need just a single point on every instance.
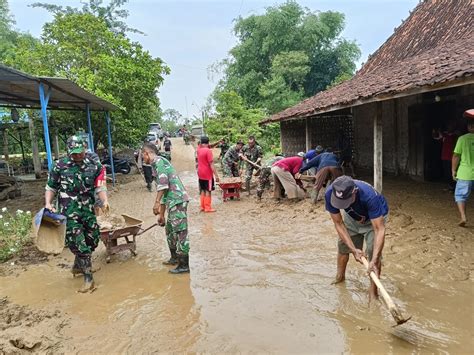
(260, 281)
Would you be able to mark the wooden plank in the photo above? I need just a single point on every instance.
(308, 134)
(34, 148)
(378, 148)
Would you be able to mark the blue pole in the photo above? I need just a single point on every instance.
(109, 139)
(89, 127)
(44, 106)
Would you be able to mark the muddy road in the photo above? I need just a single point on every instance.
(260, 283)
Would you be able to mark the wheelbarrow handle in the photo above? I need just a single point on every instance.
(147, 229)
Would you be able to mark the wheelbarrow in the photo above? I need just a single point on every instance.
(230, 188)
(112, 237)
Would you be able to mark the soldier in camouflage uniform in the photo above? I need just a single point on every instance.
(173, 199)
(265, 174)
(231, 160)
(253, 152)
(77, 179)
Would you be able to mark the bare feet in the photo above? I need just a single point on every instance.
(338, 280)
(462, 223)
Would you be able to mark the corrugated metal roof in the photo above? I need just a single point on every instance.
(21, 89)
(433, 48)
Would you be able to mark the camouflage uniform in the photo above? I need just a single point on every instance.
(253, 154)
(76, 186)
(176, 200)
(229, 163)
(265, 174)
(224, 148)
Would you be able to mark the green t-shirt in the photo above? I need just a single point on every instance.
(465, 148)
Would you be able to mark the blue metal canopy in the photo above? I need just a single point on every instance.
(19, 89)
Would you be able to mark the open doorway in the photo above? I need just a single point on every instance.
(432, 138)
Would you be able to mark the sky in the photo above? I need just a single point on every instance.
(192, 35)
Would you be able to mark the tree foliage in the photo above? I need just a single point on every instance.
(289, 52)
(234, 121)
(113, 14)
(82, 47)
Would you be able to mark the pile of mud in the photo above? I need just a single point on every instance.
(230, 180)
(26, 330)
(111, 222)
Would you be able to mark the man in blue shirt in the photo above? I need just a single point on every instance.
(365, 212)
(310, 154)
(327, 169)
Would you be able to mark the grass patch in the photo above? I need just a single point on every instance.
(15, 229)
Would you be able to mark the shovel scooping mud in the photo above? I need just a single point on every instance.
(392, 307)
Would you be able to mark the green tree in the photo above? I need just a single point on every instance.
(113, 14)
(289, 51)
(81, 47)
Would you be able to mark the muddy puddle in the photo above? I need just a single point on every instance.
(260, 283)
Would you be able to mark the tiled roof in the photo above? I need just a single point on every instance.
(435, 45)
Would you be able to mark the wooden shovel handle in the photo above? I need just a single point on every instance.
(388, 300)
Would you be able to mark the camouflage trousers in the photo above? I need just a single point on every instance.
(82, 233)
(177, 229)
(249, 172)
(263, 180)
(230, 169)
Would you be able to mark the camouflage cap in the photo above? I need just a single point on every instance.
(75, 145)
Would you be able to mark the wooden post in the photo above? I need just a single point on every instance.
(56, 144)
(308, 135)
(5, 143)
(378, 148)
(34, 148)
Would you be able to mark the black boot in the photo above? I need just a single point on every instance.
(183, 265)
(76, 268)
(173, 260)
(86, 264)
(148, 186)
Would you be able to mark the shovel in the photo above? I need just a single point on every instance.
(392, 307)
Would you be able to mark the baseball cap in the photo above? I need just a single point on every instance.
(342, 189)
(469, 114)
(319, 149)
(75, 145)
(300, 154)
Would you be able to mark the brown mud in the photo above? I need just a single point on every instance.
(260, 281)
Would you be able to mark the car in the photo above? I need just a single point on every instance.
(156, 127)
(152, 137)
(197, 130)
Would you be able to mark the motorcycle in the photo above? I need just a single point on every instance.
(120, 165)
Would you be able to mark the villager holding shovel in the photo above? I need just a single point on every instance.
(283, 172)
(171, 198)
(363, 218)
(76, 179)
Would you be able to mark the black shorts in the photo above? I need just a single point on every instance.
(206, 185)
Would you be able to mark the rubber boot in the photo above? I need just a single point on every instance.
(76, 269)
(173, 260)
(183, 265)
(203, 202)
(86, 264)
(208, 204)
(148, 186)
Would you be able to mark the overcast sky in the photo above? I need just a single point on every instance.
(191, 35)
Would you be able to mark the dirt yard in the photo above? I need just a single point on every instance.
(260, 282)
